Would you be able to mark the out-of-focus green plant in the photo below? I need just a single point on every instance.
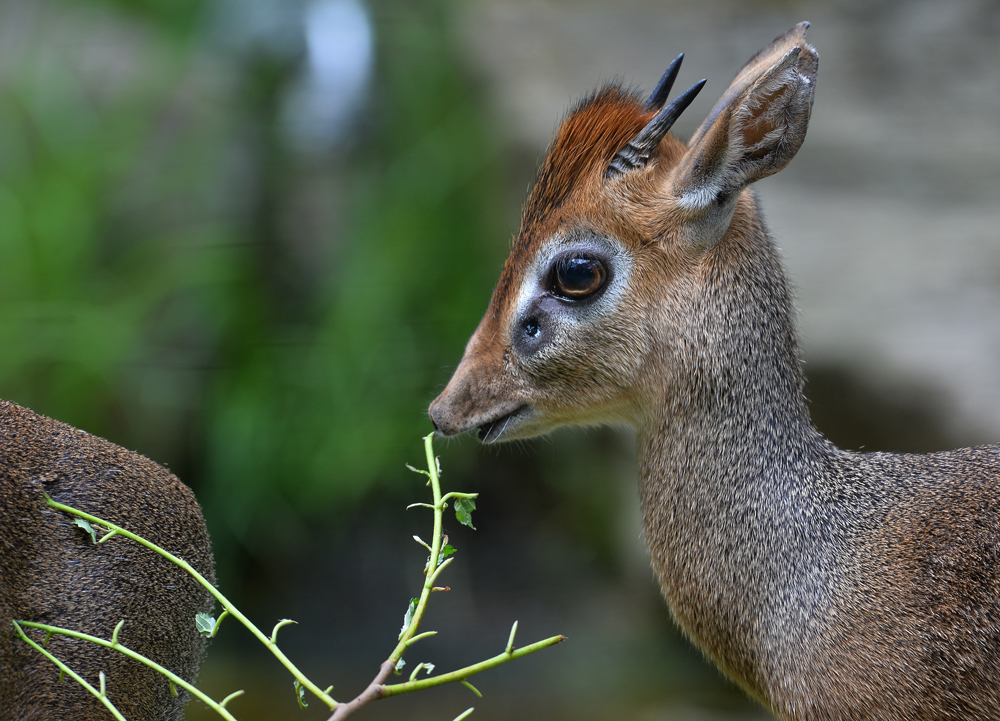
(407, 280)
(174, 276)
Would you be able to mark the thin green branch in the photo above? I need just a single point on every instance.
(114, 635)
(437, 572)
(456, 494)
(230, 697)
(215, 628)
(170, 675)
(378, 688)
(463, 673)
(64, 669)
(420, 636)
(226, 604)
(510, 641)
(433, 569)
(471, 687)
(108, 536)
(278, 625)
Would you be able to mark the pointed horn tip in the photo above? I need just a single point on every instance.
(663, 87)
(694, 89)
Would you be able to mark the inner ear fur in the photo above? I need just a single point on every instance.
(753, 131)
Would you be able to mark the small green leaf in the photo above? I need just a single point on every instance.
(300, 694)
(463, 511)
(409, 616)
(85, 525)
(205, 624)
(445, 552)
(399, 666)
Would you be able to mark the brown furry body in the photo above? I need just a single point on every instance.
(830, 585)
(51, 572)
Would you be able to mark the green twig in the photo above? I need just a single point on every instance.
(215, 628)
(433, 569)
(114, 634)
(510, 641)
(230, 697)
(278, 625)
(463, 673)
(472, 688)
(226, 604)
(420, 636)
(378, 688)
(64, 669)
(170, 675)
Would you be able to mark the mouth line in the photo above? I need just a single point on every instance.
(499, 425)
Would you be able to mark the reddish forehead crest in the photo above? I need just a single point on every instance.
(597, 128)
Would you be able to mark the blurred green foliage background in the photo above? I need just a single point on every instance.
(175, 276)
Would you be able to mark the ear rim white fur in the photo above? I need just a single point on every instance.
(718, 165)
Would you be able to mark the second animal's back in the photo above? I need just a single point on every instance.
(51, 572)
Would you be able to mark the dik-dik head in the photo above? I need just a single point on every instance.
(603, 292)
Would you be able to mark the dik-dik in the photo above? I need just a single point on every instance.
(644, 289)
(51, 572)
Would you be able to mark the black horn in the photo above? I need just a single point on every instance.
(659, 95)
(636, 152)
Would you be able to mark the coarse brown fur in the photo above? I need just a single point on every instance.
(830, 585)
(51, 572)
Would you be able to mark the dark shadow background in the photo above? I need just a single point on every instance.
(250, 239)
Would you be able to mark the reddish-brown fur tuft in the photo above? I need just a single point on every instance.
(578, 155)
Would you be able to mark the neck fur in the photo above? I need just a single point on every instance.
(730, 469)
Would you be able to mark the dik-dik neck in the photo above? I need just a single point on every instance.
(731, 471)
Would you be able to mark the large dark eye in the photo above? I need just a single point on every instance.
(578, 277)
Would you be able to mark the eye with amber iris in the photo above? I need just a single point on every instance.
(579, 277)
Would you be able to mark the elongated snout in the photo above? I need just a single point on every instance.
(450, 410)
(482, 396)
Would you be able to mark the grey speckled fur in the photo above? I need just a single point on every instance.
(50, 572)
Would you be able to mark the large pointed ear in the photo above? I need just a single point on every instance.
(753, 131)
